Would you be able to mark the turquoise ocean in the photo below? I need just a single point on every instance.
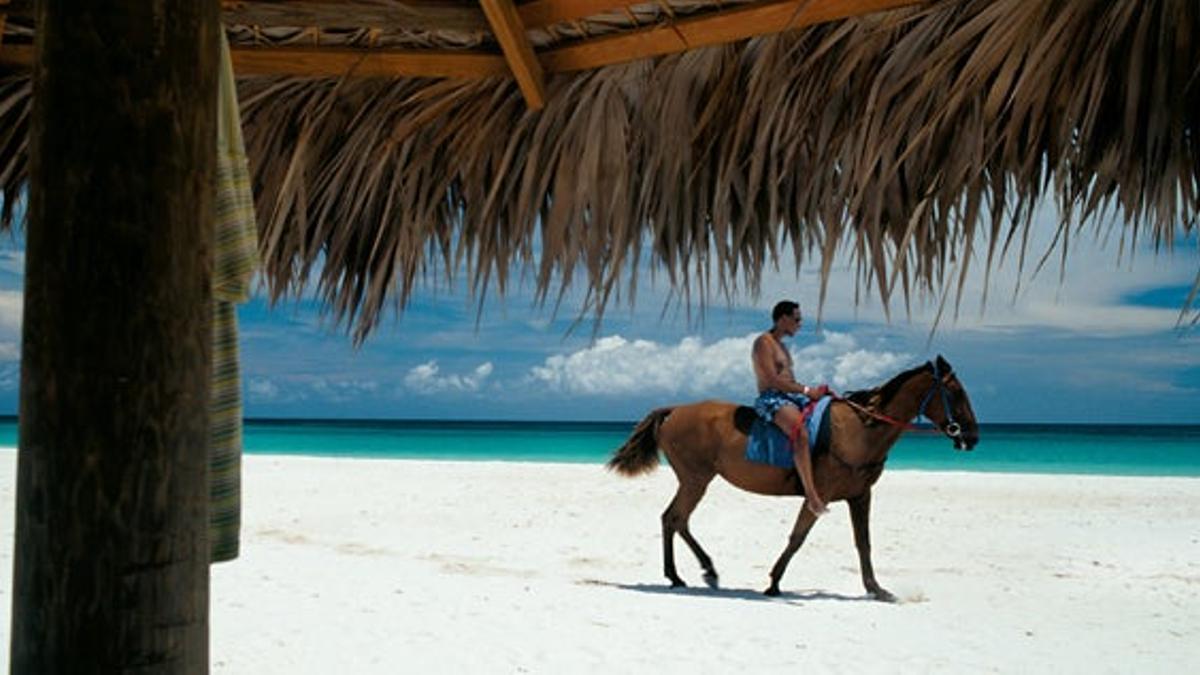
(1128, 450)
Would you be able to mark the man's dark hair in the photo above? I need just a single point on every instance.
(783, 308)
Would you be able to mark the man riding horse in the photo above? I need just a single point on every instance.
(781, 399)
(703, 440)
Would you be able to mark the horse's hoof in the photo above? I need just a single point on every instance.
(882, 596)
(772, 592)
(710, 578)
(678, 583)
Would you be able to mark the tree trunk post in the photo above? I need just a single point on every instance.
(2, 4)
(111, 563)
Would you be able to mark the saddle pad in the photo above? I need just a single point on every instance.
(768, 445)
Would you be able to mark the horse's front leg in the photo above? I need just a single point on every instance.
(860, 518)
(804, 523)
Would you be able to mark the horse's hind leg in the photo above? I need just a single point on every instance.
(804, 523)
(675, 519)
(710, 572)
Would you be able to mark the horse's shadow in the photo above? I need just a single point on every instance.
(730, 593)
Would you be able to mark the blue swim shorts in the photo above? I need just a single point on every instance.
(770, 401)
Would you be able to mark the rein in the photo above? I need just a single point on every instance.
(877, 415)
(870, 413)
(952, 428)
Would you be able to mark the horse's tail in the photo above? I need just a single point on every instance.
(639, 454)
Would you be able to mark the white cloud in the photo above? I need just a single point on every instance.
(10, 376)
(617, 366)
(861, 368)
(262, 389)
(1090, 316)
(614, 365)
(425, 379)
(839, 361)
(340, 390)
(307, 387)
(11, 307)
(1090, 299)
(13, 262)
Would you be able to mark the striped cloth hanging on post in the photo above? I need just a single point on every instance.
(235, 248)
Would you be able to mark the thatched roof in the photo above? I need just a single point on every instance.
(920, 139)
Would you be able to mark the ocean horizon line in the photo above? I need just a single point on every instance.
(923, 425)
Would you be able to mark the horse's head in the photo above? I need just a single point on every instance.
(947, 405)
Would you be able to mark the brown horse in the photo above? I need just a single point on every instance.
(702, 440)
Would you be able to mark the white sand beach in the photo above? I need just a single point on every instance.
(382, 566)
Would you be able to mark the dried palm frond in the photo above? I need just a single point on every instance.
(912, 138)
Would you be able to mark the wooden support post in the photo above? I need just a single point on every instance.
(510, 33)
(110, 568)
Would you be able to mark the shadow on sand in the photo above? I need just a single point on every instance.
(730, 593)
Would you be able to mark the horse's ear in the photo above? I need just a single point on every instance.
(943, 365)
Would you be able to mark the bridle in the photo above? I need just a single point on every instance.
(952, 429)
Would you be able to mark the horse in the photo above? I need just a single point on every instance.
(706, 439)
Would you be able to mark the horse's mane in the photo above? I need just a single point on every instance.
(882, 395)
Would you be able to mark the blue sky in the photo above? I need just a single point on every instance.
(1101, 347)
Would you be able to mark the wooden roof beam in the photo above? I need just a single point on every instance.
(542, 13)
(347, 61)
(510, 33)
(708, 30)
(420, 14)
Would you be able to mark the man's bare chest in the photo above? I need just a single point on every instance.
(782, 359)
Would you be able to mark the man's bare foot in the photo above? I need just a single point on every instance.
(817, 506)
